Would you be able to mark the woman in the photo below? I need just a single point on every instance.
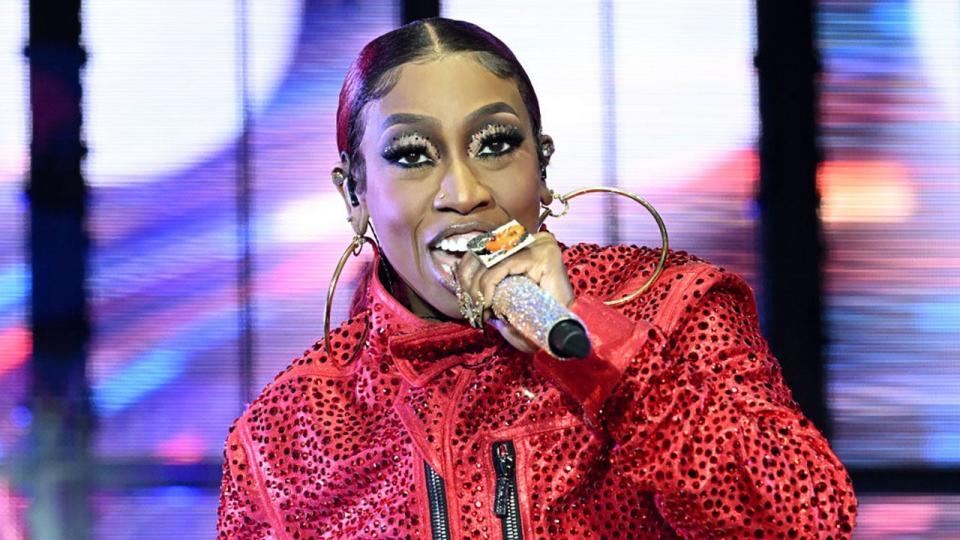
(417, 424)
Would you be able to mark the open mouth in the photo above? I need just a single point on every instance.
(446, 255)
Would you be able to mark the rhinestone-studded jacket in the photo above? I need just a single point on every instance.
(678, 424)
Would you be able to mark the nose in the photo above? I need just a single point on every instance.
(460, 191)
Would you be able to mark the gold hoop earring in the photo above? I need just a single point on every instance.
(565, 200)
(355, 247)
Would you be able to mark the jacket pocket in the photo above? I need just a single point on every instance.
(548, 461)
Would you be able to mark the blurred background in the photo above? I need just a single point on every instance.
(168, 227)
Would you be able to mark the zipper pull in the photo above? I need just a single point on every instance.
(503, 463)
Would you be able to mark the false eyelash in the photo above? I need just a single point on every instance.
(394, 153)
(495, 132)
(406, 144)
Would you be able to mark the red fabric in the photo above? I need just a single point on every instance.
(677, 425)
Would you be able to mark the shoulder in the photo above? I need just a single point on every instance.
(344, 340)
(312, 373)
(605, 271)
(612, 272)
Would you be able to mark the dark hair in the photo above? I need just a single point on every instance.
(376, 71)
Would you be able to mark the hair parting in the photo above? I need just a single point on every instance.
(376, 71)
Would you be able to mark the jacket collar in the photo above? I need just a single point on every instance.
(422, 349)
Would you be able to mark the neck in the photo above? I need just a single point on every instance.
(406, 295)
(418, 306)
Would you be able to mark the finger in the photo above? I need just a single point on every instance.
(466, 268)
(521, 264)
(527, 261)
(473, 268)
(472, 288)
(554, 278)
(537, 261)
(479, 270)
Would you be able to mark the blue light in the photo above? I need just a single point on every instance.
(174, 495)
(14, 286)
(161, 366)
(942, 316)
(21, 416)
(138, 378)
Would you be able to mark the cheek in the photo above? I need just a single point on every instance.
(520, 199)
(396, 211)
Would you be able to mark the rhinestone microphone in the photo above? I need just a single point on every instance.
(540, 318)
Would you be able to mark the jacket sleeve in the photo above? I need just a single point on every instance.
(700, 416)
(242, 515)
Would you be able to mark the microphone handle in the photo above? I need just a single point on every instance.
(540, 318)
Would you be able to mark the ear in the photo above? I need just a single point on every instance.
(546, 194)
(546, 150)
(546, 147)
(357, 213)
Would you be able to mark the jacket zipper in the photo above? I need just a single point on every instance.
(505, 502)
(437, 495)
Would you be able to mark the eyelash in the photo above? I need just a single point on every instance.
(416, 144)
(494, 133)
(407, 145)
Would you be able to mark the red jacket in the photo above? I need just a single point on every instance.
(678, 424)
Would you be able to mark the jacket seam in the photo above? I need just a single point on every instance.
(464, 379)
(413, 427)
(532, 429)
(420, 485)
(254, 467)
(668, 319)
(317, 374)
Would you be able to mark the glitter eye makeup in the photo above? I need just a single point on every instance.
(410, 151)
(495, 140)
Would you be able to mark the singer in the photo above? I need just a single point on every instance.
(424, 415)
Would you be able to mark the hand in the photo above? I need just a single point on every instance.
(541, 261)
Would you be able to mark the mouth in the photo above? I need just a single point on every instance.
(448, 247)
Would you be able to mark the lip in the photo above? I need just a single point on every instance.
(460, 228)
(442, 264)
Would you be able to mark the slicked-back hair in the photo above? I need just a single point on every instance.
(377, 68)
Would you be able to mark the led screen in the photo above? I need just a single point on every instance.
(654, 97)
(891, 192)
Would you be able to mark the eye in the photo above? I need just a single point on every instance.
(496, 147)
(495, 140)
(410, 151)
(412, 157)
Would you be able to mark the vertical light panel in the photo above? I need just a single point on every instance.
(14, 274)
(687, 123)
(15, 336)
(162, 118)
(891, 206)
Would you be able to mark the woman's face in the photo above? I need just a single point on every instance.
(450, 153)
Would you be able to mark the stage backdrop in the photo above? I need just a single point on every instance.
(655, 97)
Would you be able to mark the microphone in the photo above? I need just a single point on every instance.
(519, 302)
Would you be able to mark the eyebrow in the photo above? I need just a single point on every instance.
(407, 118)
(491, 108)
(410, 118)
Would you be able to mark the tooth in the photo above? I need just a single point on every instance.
(448, 244)
(458, 242)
